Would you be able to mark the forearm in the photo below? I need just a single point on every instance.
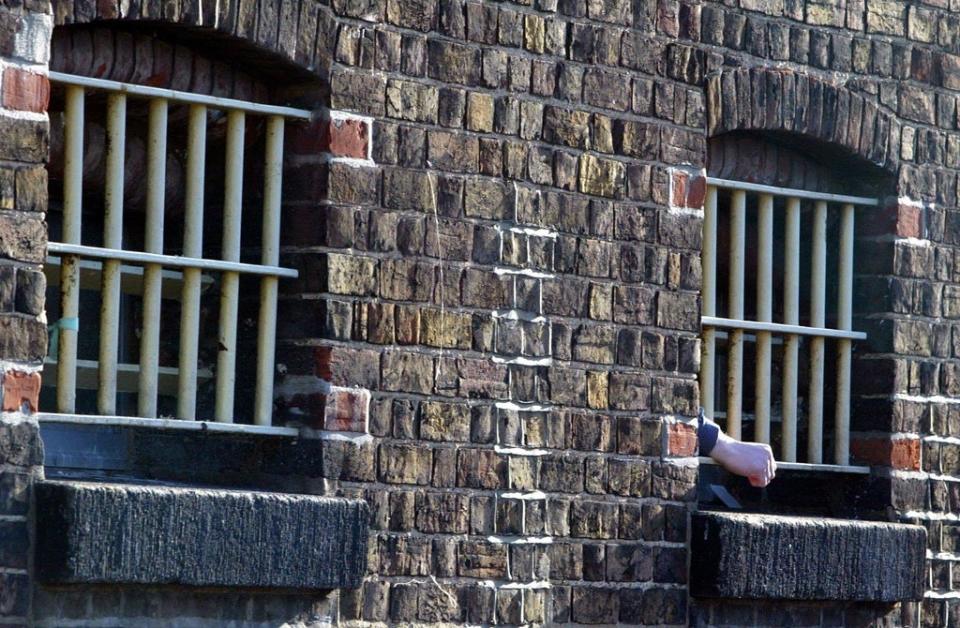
(753, 461)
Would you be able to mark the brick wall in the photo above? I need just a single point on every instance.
(497, 228)
(580, 112)
(24, 44)
(501, 272)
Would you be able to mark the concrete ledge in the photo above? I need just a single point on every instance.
(771, 557)
(124, 533)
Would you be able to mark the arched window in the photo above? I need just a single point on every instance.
(779, 257)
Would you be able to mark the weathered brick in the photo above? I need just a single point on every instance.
(601, 177)
(481, 468)
(486, 198)
(595, 605)
(350, 274)
(443, 512)
(409, 100)
(482, 559)
(444, 422)
(408, 372)
(354, 185)
(453, 63)
(405, 464)
(450, 151)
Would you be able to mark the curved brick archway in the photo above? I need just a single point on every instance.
(777, 100)
(302, 34)
(760, 122)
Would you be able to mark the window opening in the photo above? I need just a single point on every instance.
(777, 311)
(116, 283)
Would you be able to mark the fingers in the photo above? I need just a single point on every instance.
(767, 468)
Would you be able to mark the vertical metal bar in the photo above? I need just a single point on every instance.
(70, 271)
(230, 287)
(764, 314)
(738, 212)
(845, 321)
(192, 247)
(817, 315)
(791, 316)
(112, 239)
(266, 340)
(709, 264)
(153, 273)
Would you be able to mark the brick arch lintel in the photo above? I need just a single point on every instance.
(783, 100)
(292, 33)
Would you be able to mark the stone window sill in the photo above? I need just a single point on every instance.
(773, 557)
(128, 533)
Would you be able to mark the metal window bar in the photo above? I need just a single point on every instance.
(709, 265)
(789, 330)
(153, 273)
(113, 262)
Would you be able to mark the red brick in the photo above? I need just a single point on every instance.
(308, 138)
(349, 138)
(346, 410)
(681, 439)
(21, 391)
(696, 191)
(901, 453)
(107, 10)
(909, 221)
(25, 91)
(905, 454)
(341, 138)
(678, 191)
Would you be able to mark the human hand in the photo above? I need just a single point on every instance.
(753, 461)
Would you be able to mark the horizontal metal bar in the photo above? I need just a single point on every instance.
(778, 328)
(127, 376)
(803, 466)
(722, 335)
(175, 261)
(131, 277)
(167, 424)
(145, 91)
(777, 191)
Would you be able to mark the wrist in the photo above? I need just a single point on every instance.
(722, 449)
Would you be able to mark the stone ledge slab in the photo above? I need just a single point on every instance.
(756, 556)
(122, 533)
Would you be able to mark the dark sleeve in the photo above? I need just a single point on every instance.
(707, 434)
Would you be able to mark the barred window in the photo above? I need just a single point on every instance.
(131, 282)
(778, 269)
